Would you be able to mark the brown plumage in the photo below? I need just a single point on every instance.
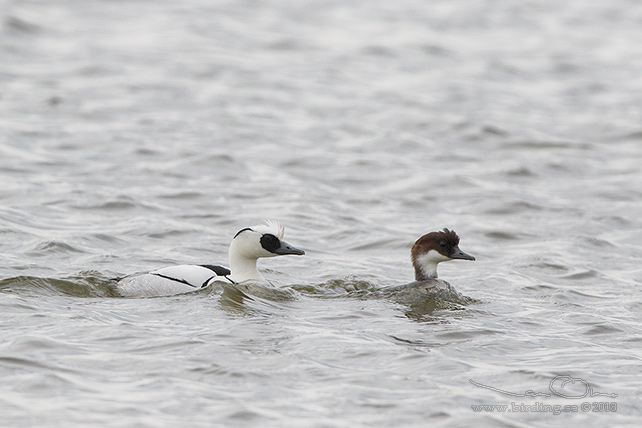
(441, 242)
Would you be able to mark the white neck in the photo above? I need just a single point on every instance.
(426, 271)
(426, 265)
(244, 269)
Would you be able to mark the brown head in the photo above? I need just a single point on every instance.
(434, 248)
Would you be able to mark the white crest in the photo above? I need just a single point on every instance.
(271, 226)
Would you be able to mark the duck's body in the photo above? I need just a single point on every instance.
(172, 280)
(246, 248)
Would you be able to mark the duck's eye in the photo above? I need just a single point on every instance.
(442, 244)
(270, 242)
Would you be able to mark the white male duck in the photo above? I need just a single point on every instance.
(247, 246)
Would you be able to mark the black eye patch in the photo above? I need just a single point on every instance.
(270, 242)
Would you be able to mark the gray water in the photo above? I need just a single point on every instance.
(142, 134)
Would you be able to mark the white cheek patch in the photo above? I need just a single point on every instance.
(432, 257)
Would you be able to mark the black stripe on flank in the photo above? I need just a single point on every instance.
(218, 270)
(182, 281)
(207, 282)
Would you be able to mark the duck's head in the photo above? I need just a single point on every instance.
(434, 248)
(265, 240)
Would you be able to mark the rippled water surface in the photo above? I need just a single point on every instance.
(141, 134)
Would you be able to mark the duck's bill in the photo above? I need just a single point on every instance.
(286, 248)
(459, 254)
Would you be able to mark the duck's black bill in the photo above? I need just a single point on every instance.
(286, 248)
(459, 254)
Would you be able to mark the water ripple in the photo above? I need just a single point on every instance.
(143, 136)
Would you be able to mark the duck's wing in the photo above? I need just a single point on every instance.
(197, 276)
(171, 280)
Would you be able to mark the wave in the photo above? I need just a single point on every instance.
(84, 284)
(419, 299)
